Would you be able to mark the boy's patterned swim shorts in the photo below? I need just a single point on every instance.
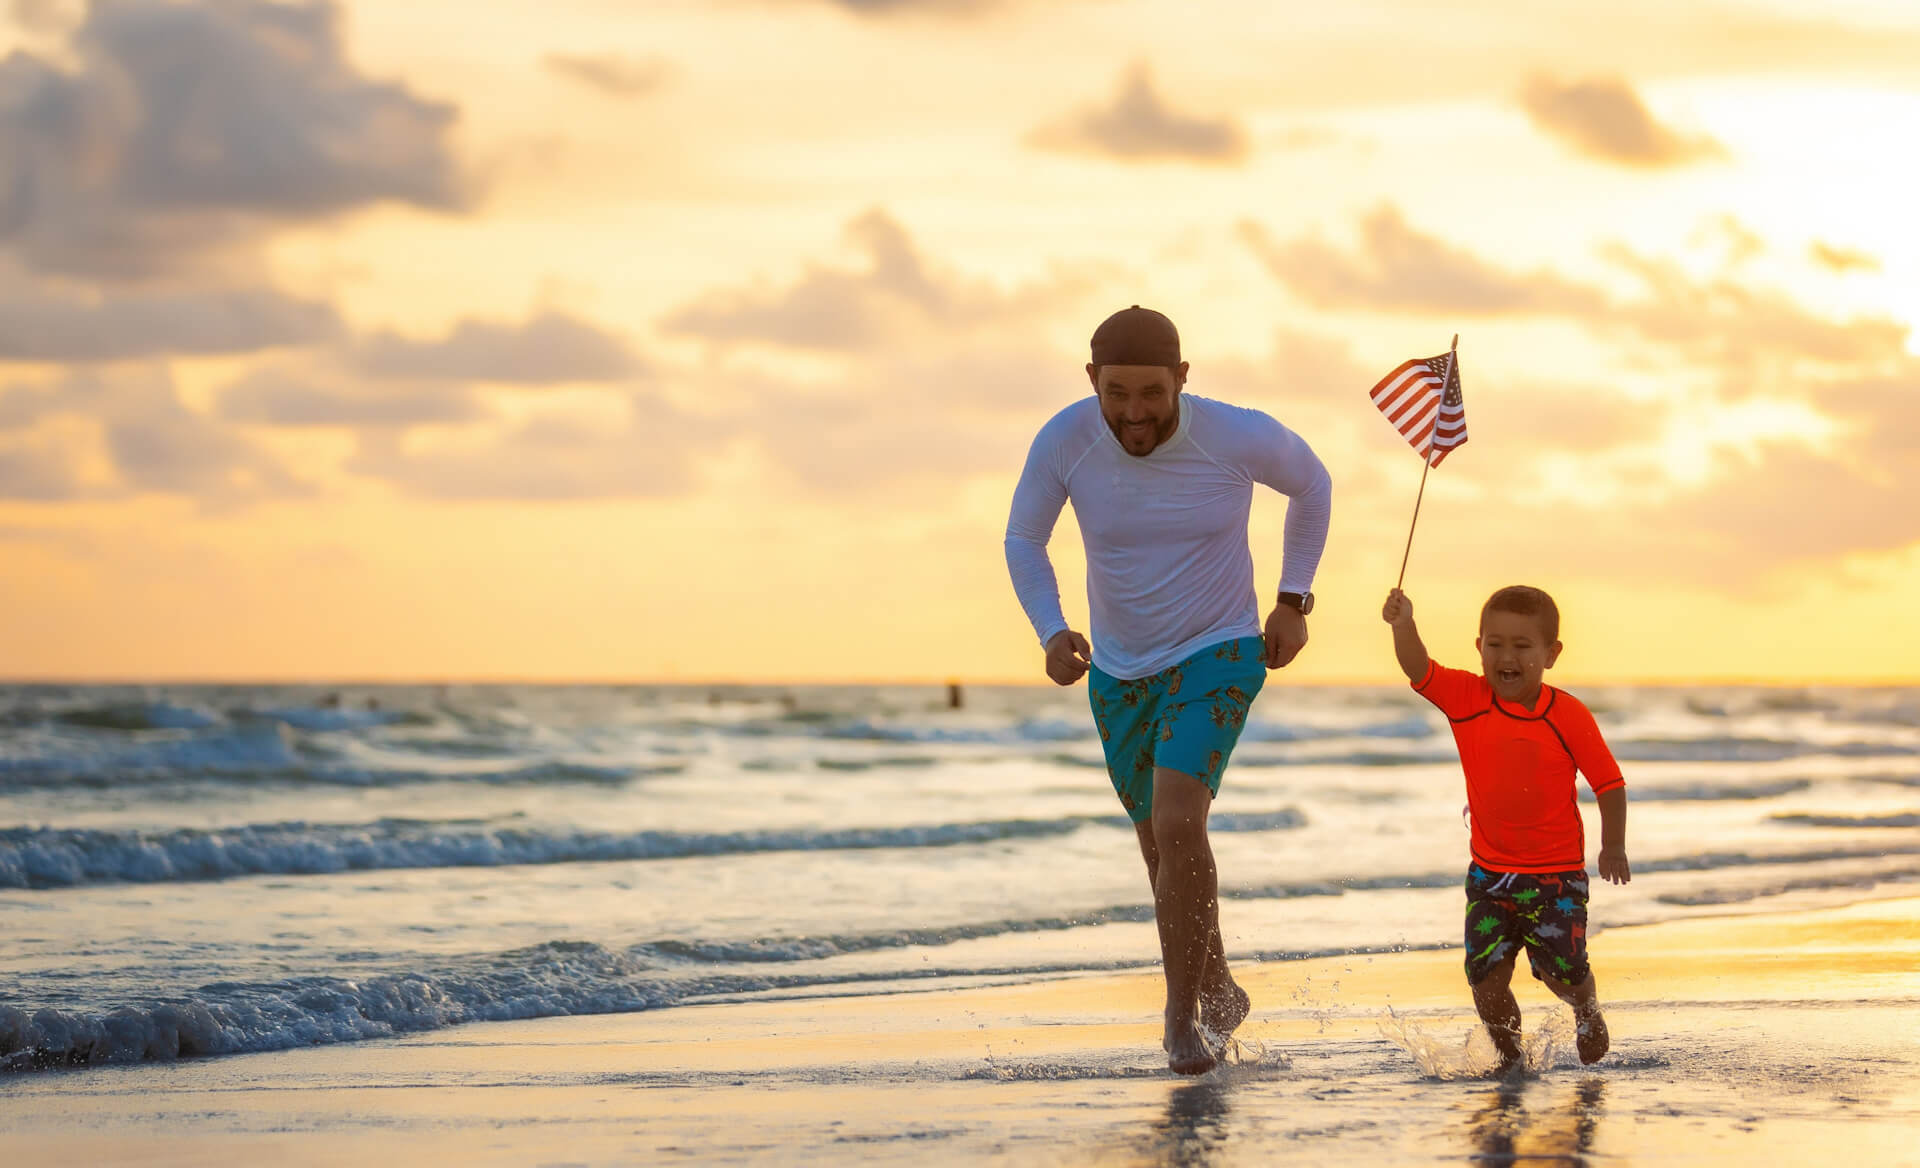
(1544, 911)
(1186, 717)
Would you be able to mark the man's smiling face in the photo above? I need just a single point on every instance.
(1141, 403)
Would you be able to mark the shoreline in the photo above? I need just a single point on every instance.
(1382, 681)
(1268, 965)
(1737, 1035)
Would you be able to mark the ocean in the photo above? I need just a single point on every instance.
(207, 870)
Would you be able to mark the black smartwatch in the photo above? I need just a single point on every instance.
(1300, 600)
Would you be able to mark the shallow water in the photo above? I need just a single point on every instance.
(1730, 1082)
(199, 870)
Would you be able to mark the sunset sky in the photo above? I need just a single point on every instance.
(704, 339)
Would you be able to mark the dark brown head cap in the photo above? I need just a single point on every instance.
(1136, 336)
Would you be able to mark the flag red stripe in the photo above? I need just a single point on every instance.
(1398, 396)
(1423, 387)
(1415, 403)
(1398, 377)
(1419, 383)
(1391, 377)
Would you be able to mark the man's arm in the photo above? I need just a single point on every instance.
(1408, 649)
(1613, 835)
(1282, 460)
(1037, 501)
(1288, 465)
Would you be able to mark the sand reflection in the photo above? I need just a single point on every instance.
(1537, 1122)
(1194, 1131)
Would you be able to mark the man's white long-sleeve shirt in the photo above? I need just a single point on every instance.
(1169, 570)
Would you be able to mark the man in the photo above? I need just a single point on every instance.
(1162, 484)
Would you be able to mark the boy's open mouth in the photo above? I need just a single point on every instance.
(1509, 676)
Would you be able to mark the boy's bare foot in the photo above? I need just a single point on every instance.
(1223, 1012)
(1506, 1042)
(1590, 1035)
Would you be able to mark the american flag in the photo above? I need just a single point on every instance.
(1422, 400)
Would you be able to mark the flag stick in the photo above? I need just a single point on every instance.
(1451, 350)
(1416, 520)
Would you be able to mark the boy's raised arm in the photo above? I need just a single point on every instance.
(1408, 648)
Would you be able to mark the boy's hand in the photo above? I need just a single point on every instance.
(1613, 865)
(1398, 610)
(1068, 656)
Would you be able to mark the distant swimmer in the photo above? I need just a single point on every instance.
(1521, 742)
(1162, 485)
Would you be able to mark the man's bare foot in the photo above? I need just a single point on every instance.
(1223, 1012)
(1187, 1051)
(1590, 1035)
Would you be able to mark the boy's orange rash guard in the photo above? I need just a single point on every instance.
(1520, 766)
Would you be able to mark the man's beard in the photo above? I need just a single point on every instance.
(1161, 432)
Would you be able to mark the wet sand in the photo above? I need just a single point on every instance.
(1758, 1039)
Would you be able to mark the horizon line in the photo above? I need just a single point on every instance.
(103, 681)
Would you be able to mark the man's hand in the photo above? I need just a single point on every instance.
(1613, 865)
(1398, 610)
(1068, 656)
(1286, 635)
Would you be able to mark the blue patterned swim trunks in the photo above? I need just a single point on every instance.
(1187, 717)
(1544, 912)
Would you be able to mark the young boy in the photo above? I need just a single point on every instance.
(1520, 742)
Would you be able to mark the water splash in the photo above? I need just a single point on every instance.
(1244, 1057)
(1473, 1055)
(1240, 1060)
(1321, 1009)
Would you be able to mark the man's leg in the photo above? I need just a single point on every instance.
(1185, 907)
(1589, 1025)
(1223, 1004)
(1493, 998)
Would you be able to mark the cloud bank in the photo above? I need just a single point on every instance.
(1605, 119)
(610, 73)
(184, 130)
(1138, 125)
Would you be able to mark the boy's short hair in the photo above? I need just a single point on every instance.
(1525, 601)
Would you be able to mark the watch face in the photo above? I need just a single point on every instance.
(1299, 600)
